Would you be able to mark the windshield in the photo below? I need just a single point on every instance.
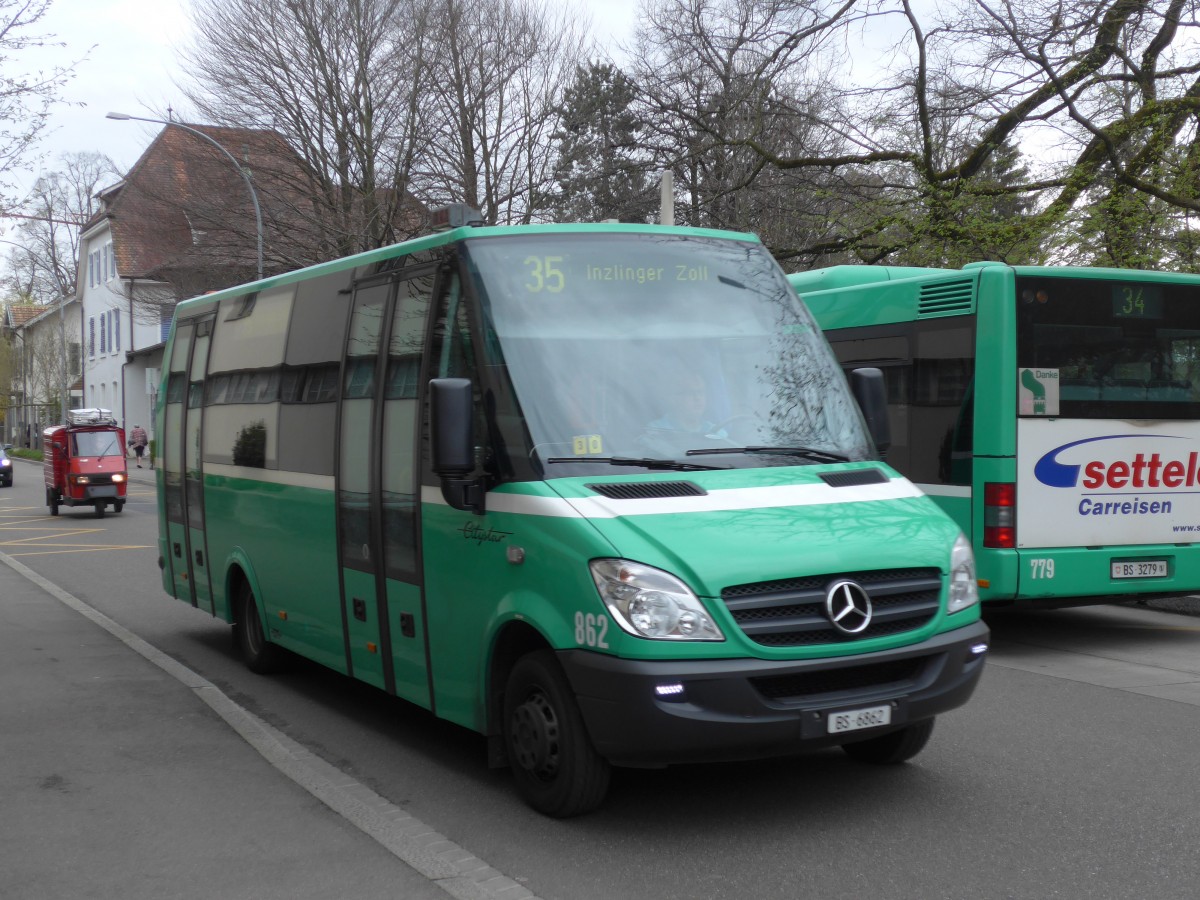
(1090, 348)
(96, 443)
(637, 348)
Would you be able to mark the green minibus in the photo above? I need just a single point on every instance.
(598, 492)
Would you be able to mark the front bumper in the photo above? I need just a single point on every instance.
(737, 709)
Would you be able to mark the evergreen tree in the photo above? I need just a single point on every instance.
(602, 171)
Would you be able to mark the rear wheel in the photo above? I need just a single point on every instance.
(896, 747)
(259, 654)
(557, 770)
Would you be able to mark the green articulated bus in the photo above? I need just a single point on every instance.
(1053, 412)
(598, 492)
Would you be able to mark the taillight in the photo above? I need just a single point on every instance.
(1000, 514)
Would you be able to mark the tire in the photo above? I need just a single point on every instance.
(557, 770)
(118, 506)
(52, 501)
(259, 654)
(896, 747)
(99, 510)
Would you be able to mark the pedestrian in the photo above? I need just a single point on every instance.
(138, 441)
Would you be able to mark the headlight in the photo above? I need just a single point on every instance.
(118, 478)
(5, 462)
(80, 479)
(650, 603)
(964, 589)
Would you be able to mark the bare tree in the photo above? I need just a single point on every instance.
(344, 83)
(499, 73)
(722, 79)
(44, 266)
(26, 98)
(907, 108)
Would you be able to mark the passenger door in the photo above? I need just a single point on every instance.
(377, 482)
(183, 473)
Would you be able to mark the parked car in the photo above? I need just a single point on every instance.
(6, 467)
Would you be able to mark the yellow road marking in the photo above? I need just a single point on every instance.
(43, 537)
(82, 549)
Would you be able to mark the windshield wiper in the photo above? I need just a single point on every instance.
(670, 464)
(805, 452)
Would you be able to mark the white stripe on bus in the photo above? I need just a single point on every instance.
(773, 496)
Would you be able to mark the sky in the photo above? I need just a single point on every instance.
(127, 63)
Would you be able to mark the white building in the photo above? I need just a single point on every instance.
(124, 325)
(46, 363)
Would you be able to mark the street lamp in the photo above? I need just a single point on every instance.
(241, 170)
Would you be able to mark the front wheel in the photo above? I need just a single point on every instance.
(895, 747)
(52, 502)
(118, 506)
(100, 510)
(259, 654)
(557, 770)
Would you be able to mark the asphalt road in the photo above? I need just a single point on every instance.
(1070, 774)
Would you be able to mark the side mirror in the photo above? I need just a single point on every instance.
(870, 391)
(451, 421)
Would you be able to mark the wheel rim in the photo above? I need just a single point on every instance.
(535, 737)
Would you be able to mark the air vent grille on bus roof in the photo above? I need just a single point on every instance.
(647, 490)
(945, 298)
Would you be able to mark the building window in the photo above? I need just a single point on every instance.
(91, 337)
(116, 320)
(73, 358)
(103, 333)
(112, 266)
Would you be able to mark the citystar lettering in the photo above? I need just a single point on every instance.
(1142, 472)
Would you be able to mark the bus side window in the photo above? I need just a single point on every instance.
(957, 451)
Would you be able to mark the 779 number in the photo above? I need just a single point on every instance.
(1041, 569)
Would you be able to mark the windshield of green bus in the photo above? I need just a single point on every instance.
(660, 347)
(1120, 349)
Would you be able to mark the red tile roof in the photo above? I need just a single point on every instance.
(183, 196)
(16, 315)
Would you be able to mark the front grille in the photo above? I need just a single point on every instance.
(791, 612)
(100, 479)
(806, 685)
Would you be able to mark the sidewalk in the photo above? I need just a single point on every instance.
(118, 781)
